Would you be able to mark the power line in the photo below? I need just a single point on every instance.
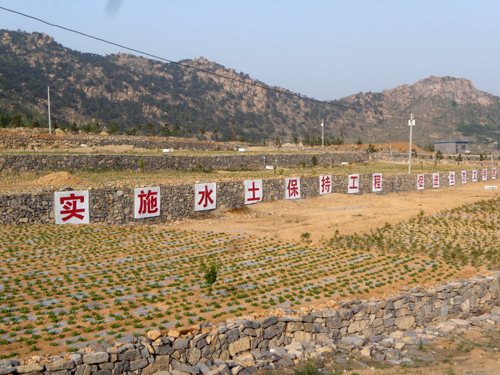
(182, 64)
(267, 88)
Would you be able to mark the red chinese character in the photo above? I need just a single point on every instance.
(354, 180)
(464, 177)
(377, 181)
(70, 207)
(452, 178)
(421, 182)
(493, 174)
(205, 196)
(253, 189)
(436, 180)
(293, 189)
(326, 184)
(149, 202)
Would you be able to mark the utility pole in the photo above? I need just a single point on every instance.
(48, 98)
(233, 127)
(411, 124)
(322, 134)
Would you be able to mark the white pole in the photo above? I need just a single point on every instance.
(322, 134)
(48, 97)
(411, 124)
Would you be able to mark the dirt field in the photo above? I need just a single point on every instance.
(348, 214)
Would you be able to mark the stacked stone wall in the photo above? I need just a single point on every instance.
(169, 161)
(115, 206)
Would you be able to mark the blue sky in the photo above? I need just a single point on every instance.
(322, 49)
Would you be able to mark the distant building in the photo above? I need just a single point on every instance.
(452, 147)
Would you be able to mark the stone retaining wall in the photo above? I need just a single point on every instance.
(115, 206)
(241, 347)
(169, 161)
(53, 141)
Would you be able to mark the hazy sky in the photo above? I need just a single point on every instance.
(322, 49)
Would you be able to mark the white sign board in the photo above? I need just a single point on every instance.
(464, 177)
(242, 149)
(292, 188)
(325, 185)
(253, 191)
(491, 187)
(269, 167)
(205, 196)
(420, 182)
(435, 180)
(353, 184)
(168, 150)
(493, 173)
(485, 174)
(71, 207)
(474, 176)
(146, 202)
(377, 182)
(451, 179)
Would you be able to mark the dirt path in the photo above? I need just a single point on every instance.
(346, 213)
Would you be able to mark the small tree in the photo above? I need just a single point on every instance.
(359, 142)
(150, 128)
(188, 130)
(97, 127)
(166, 129)
(113, 128)
(277, 141)
(73, 128)
(141, 164)
(210, 270)
(314, 160)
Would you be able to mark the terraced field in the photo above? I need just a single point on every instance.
(63, 286)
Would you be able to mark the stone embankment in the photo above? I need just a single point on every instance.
(116, 206)
(45, 142)
(387, 329)
(58, 162)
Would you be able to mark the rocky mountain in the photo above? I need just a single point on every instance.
(134, 94)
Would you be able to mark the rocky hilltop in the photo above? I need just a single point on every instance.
(141, 95)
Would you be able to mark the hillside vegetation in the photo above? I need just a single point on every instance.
(137, 95)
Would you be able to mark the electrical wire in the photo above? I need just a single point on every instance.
(264, 87)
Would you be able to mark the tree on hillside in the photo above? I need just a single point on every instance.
(359, 142)
(177, 129)
(188, 130)
(150, 127)
(97, 127)
(113, 128)
(277, 142)
(166, 129)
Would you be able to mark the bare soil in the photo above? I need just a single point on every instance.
(57, 179)
(348, 214)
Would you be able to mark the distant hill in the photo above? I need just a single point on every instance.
(133, 91)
